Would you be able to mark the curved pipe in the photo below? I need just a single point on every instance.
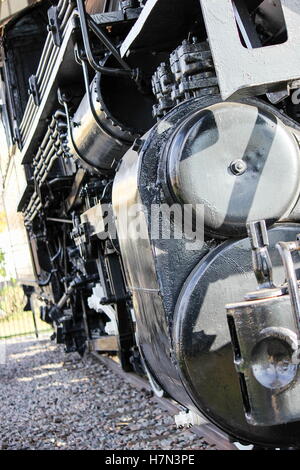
(47, 281)
(88, 50)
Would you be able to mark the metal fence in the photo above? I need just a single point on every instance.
(16, 319)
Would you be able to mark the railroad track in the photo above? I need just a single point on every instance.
(210, 433)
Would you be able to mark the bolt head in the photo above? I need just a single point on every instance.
(238, 167)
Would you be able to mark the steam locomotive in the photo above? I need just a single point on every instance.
(151, 170)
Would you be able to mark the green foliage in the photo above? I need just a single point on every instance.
(2, 264)
(11, 300)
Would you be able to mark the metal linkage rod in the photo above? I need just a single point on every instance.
(105, 40)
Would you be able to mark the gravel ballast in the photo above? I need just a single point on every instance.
(50, 400)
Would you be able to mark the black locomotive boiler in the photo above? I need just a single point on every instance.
(151, 171)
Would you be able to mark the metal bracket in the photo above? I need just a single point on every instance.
(54, 26)
(286, 249)
(252, 40)
(255, 69)
(33, 90)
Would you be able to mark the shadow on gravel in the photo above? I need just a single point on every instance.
(53, 401)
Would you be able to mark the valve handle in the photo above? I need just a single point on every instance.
(262, 265)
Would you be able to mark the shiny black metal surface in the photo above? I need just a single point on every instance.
(231, 158)
(181, 321)
(202, 340)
